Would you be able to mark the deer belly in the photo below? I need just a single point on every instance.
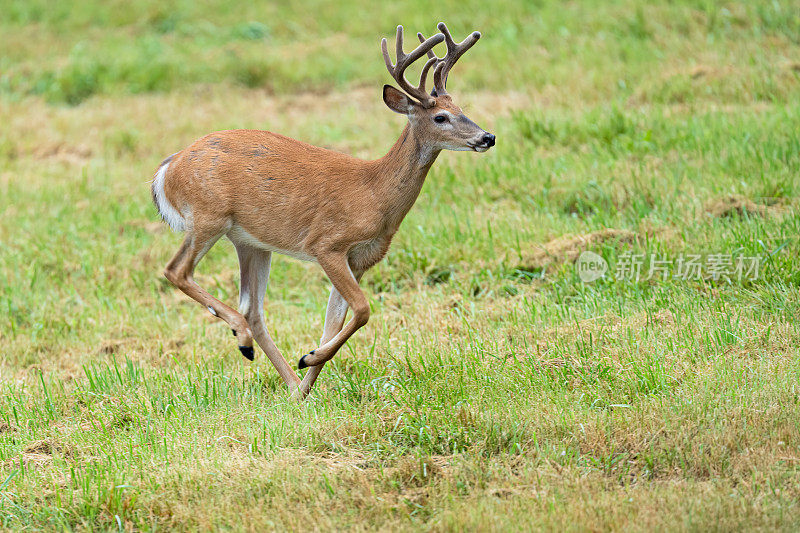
(238, 235)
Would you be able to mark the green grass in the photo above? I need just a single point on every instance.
(491, 389)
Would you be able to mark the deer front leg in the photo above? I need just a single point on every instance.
(337, 268)
(334, 320)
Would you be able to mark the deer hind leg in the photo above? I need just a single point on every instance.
(337, 268)
(254, 265)
(334, 320)
(180, 272)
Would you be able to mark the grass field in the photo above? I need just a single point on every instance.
(493, 389)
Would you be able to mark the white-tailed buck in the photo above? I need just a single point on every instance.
(268, 193)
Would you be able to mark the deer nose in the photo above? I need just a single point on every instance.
(488, 139)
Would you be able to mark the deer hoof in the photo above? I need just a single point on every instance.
(247, 352)
(302, 363)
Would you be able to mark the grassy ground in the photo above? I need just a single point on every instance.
(492, 388)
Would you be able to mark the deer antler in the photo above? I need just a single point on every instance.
(404, 60)
(454, 51)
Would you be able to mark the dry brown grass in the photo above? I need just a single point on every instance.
(737, 205)
(567, 248)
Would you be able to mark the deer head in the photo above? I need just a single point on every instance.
(434, 118)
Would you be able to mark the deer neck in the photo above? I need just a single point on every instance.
(400, 174)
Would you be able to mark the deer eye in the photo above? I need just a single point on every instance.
(440, 118)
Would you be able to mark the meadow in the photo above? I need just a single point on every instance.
(493, 389)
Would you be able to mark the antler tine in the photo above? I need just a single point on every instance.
(430, 52)
(454, 51)
(404, 60)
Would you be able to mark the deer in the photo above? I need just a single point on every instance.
(272, 194)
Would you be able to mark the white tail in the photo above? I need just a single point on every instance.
(168, 213)
(268, 193)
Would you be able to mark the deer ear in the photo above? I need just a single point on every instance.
(396, 100)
